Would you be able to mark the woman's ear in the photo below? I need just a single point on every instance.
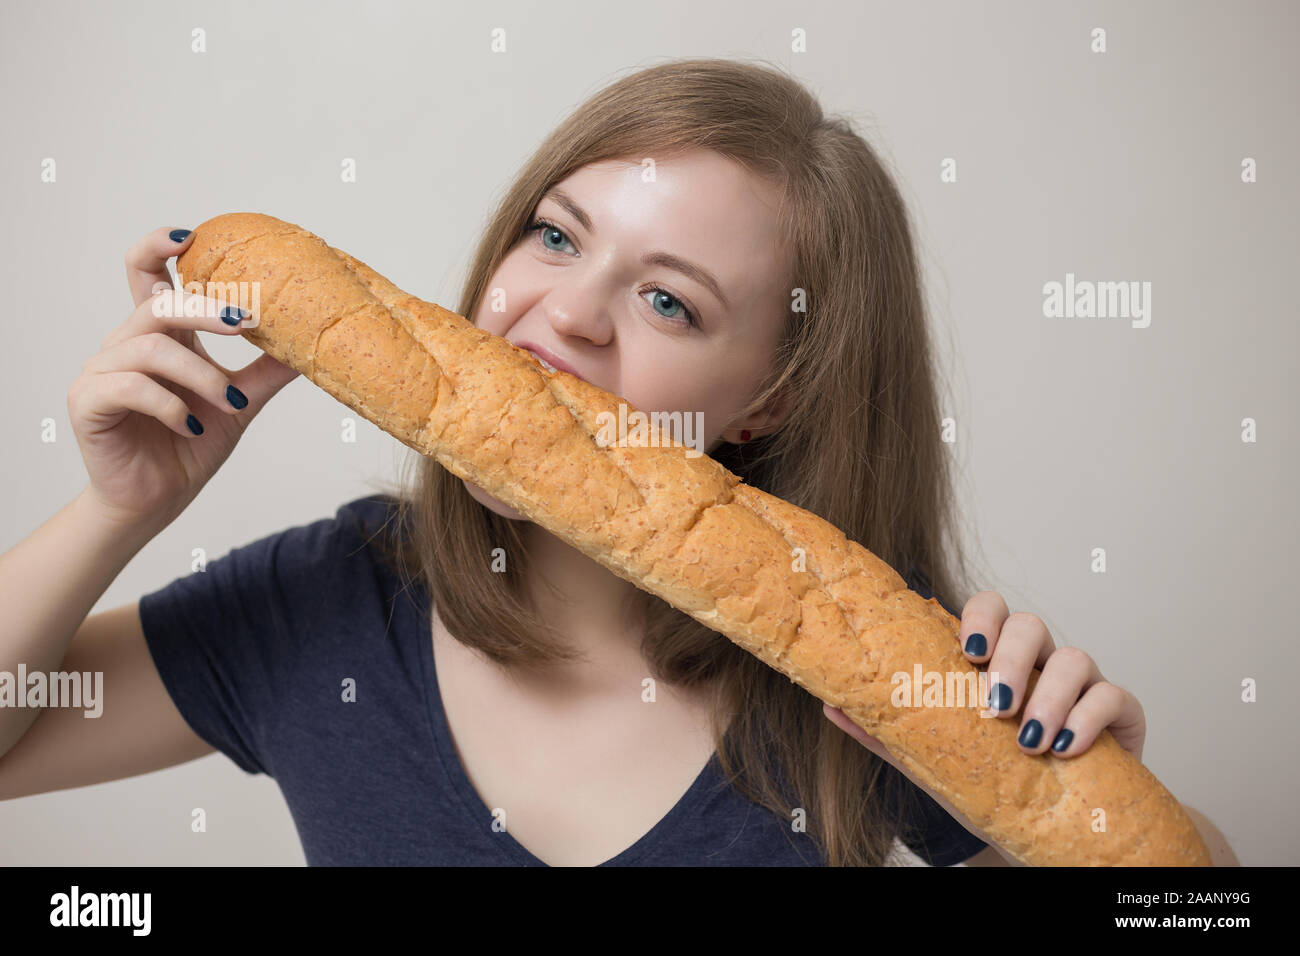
(760, 423)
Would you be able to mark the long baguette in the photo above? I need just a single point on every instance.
(779, 581)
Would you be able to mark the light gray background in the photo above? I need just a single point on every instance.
(1072, 434)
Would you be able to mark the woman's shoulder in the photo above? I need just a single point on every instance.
(360, 521)
(311, 554)
(368, 515)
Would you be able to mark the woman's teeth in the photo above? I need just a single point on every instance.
(545, 364)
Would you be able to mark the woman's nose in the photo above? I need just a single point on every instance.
(580, 311)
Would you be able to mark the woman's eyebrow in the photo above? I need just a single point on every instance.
(657, 258)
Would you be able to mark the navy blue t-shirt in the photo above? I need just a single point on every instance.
(255, 652)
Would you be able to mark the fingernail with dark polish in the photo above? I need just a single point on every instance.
(195, 425)
(1062, 742)
(1000, 696)
(178, 235)
(976, 645)
(233, 315)
(1031, 734)
(235, 397)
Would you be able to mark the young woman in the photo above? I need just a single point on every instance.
(429, 677)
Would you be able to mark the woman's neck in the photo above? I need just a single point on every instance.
(587, 603)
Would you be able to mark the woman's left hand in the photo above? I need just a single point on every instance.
(1071, 704)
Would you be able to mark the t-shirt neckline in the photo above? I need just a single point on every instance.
(473, 804)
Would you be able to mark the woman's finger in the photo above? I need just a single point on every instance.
(146, 261)
(159, 354)
(1104, 706)
(261, 378)
(1023, 644)
(841, 720)
(1066, 675)
(103, 400)
(981, 620)
(175, 310)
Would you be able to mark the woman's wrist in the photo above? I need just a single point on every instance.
(109, 534)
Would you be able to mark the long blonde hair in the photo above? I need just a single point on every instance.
(860, 447)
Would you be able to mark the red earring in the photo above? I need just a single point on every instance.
(744, 434)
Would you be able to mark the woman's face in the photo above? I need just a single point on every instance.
(582, 290)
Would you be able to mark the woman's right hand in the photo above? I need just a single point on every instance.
(132, 403)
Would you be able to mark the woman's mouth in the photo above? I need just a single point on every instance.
(548, 361)
(545, 364)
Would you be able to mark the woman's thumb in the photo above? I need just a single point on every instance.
(840, 719)
(262, 378)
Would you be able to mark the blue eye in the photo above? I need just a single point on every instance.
(552, 232)
(660, 295)
(549, 230)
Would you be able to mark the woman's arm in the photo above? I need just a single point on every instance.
(49, 582)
